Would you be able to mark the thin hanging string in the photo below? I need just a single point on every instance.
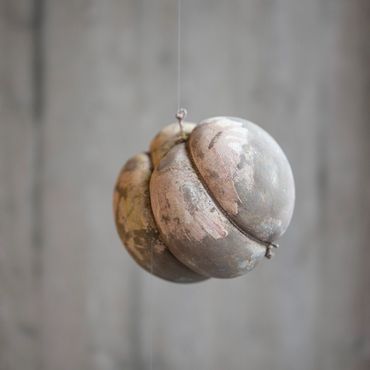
(181, 112)
(178, 54)
(180, 116)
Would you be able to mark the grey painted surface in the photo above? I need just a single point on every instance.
(90, 88)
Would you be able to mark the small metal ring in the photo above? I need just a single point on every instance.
(180, 116)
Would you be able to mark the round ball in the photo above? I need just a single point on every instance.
(247, 174)
(209, 204)
(192, 226)
(137, 228)
(223, 197)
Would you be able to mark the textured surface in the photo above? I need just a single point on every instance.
(192, 226)
(136, 226)
(70, 297)
(166, 139)
(247, 173)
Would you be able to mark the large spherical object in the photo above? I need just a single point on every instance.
(207, 205)
(136, 226)
(247, 173)
(193, 226)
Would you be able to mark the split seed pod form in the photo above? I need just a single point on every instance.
(212, 204)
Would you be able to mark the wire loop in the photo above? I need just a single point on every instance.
(180, 116)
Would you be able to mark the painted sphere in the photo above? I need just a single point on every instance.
(209, 205)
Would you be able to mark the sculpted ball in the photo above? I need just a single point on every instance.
(210, 204)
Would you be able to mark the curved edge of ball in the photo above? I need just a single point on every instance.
(247, 173)
(167, 138)
(136, 226)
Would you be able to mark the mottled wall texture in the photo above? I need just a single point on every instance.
(86, 84)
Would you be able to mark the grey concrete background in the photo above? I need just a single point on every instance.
(85, 84)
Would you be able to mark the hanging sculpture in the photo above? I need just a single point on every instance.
(208, 200)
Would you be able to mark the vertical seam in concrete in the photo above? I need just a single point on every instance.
(138, 355)
(321, 182)
(37, 72)
(37, 121)
(38, 61)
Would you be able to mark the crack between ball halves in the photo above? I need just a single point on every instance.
(268, 245)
